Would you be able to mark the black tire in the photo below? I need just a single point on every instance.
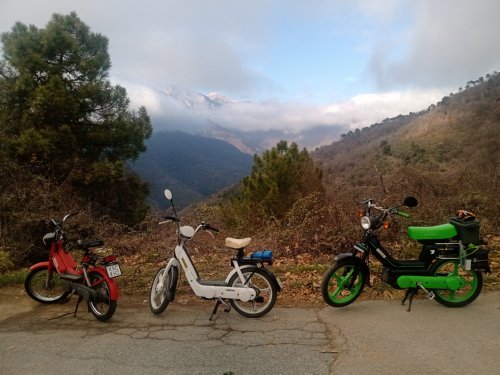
(265, 286)
(105, 307)
(338, 288)
(45, 289)
(159, 299)
(460, 297)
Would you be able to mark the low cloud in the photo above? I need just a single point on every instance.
(181, 106)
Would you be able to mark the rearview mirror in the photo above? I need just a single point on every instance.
(168, 194)
(410, 202)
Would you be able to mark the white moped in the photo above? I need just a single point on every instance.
(250, 287)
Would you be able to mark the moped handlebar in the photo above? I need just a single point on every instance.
(385, 211)
(403, 214)
(209, 227)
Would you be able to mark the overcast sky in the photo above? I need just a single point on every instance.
(292, 63)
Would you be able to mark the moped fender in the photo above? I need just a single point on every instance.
(273, 278)
(342, 256)
(39, 265)
(113, 287)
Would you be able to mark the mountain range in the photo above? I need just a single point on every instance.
(195, 156)
(217, 116)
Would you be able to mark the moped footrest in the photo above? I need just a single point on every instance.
(71, 276)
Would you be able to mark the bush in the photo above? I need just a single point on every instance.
(6, 263)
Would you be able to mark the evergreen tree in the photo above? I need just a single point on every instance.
(62, 118)
(279, 178)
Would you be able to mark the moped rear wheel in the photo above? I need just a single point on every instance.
(44, 287)
(341, 285)
(265, 287)
(105, 307)
(460, 297)
(162, 294)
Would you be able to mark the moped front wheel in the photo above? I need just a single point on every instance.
(265, 287)
(342, 284)
(104, 308)
(460, 297)
(161, 294)
(45, 287)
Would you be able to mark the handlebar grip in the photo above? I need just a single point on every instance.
(173, 218)
(403, 214)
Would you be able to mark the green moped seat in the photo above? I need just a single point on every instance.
(437, 232)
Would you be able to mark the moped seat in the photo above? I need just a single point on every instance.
(86, 244)
(437, 232)
(235, 243)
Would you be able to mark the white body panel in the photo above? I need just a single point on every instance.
(211, 291)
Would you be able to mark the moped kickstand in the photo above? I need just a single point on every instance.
(412, 292)
(227, 308)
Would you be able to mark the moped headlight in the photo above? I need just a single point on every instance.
(187, 232)
(366, 223)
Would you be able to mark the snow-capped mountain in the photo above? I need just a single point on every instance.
(251, 127)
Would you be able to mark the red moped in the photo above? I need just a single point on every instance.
(55, 280)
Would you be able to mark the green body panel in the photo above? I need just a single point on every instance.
(431, 282)
(438, 232)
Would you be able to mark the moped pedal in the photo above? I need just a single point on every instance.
(429, 293)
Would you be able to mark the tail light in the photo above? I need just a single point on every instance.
(386, 224)
(110, 258)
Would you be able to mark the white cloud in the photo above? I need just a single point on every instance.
(366, 109)
(176, 104)
(449, 43)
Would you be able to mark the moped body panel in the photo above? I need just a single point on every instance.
(431, 282)
(210, 290)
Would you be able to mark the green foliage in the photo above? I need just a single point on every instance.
(279, 178)
(62, 119)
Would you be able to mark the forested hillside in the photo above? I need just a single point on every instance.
(193, 166)
(447, 155)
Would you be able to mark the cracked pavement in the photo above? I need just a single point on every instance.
(367, 337)
(39, 339)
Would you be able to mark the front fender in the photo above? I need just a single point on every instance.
(342, 256)
(39, 265)
(113, 287)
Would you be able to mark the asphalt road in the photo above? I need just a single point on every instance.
(371, 337)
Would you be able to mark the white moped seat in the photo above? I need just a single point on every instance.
(236, 243)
